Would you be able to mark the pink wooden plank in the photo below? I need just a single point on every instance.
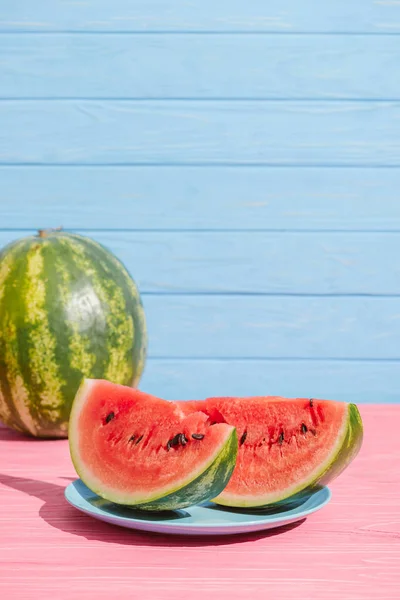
(350, 549)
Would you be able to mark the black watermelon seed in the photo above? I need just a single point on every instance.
(243, 438)
(183, 439)
(175, 440)
(311, 402)
(281, 438)
(313, 431)
(304, 428)
(197, 436)
(169, 446)
(138, 440)
(110, 417)
(132, 438)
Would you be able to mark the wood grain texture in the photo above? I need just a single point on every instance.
(243, 162)
(182, 132)
(273, 327)
(350, 549)
(361, 16)
(200, 66)
(174, 198)
(254, 262)
(359, 381)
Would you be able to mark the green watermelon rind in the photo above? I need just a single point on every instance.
(347, 450)
(202, 485)
(69, 309)
(343, 453)
(205, 486)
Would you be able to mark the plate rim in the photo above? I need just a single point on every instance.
(282, 519)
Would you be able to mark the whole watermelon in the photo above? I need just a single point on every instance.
(69, 310)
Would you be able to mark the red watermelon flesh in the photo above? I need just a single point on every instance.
(286, 446)
(135, 449)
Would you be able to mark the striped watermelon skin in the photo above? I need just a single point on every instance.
(69, 310)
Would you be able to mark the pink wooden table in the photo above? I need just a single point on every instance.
(349, 550)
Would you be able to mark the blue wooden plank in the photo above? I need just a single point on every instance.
(200, 198)
(224, 15)
(273, 326)
(200, 66)
(351, 381)
(171, 132)
(256, 262)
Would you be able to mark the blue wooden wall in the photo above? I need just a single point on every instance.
(241, 158)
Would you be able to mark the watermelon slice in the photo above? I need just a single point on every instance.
(134, 449)
(286, 446)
